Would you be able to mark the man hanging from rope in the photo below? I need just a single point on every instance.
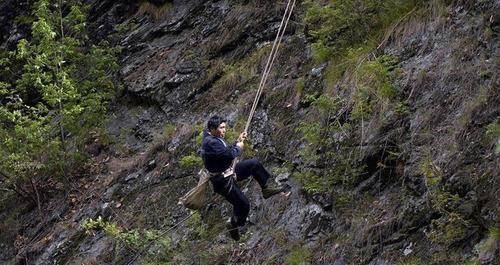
(218, 157)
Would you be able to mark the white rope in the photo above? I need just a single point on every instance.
(270, 60)
(266, 68)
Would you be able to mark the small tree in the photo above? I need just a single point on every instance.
(59, 95)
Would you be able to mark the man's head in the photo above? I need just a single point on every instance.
(217, 126)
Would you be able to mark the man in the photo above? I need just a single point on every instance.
(218, 158)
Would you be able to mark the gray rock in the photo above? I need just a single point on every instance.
(151, 165)
(316, 72)
(108, 195)
(133, 176)
(105, 210)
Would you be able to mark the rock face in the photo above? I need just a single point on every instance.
(11, 32)
(185, 60)
(166, 60)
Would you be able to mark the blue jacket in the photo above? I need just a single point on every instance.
(217, 154)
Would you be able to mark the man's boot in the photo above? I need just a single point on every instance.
(271, 190)
(233, 230)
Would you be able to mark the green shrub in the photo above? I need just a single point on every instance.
(402, 108)
(445, 256)
(341, 24)
(495, 233)
(159, 245)
(444, 201)
(300, 84)
(493, 133)
(169, 130)
(373, 81)
(472, 105)
(125, 27)
(342, 200)
(280, 238)
(497, 147)
(190, 162)
(299, 255)
(311, 182)
(311, 131)
(341, 170)
(198, 129)
(215, 69)
(231, 135)
(215, 225)
(348, 60)
(346, 168)
(55, 95)
(232, 77)
(314, 132)
(432, 173)
(23, 19)
(199, 229)
(492, 242)
(326, 104)
(448, 229)
(322, 136)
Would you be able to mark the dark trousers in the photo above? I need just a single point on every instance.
(229, 189)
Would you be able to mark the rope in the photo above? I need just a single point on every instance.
(266, 68)
(270, 60)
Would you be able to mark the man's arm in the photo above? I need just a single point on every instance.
(217, 148)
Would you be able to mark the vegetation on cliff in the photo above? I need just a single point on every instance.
(54, 91)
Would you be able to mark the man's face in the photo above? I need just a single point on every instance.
(220, 131)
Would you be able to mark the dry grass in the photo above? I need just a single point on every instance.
(214, 72)
(471, 105)
(415, 22)
(156, 12)
(241, 76)
(403, 27)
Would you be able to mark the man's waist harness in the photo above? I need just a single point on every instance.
(229, 177)
(227, 173)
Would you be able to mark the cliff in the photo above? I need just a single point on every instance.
(390, 144)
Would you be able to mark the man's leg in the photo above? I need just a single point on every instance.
(241, 206)
(252, 167)
(232, 193)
